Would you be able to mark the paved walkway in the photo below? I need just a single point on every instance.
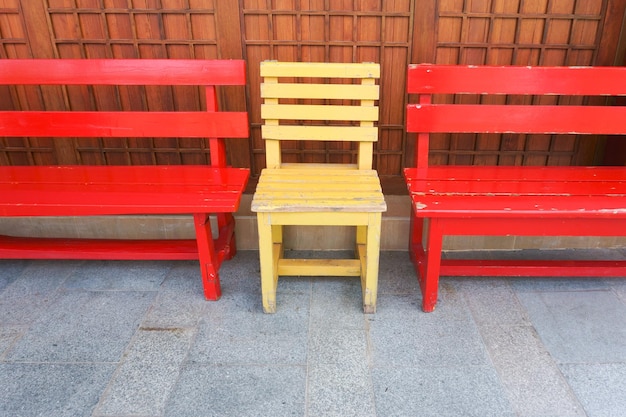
(138, 339)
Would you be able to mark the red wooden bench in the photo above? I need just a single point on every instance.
(512, 200)
(86, 190)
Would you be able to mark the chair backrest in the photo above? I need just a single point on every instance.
(319, 102)
(497, 114)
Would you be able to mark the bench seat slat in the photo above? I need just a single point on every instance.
(174, 175)
(519, 206)
(517, 173)
(478, 188)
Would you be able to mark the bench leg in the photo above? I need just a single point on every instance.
(270, 247)
(416, 230)
(209, 263)
(369, 268)
(226, 221)
(429, 276)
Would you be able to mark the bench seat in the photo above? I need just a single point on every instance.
(450, 191)
(111, 190)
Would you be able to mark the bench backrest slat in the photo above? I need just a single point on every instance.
(459, 79)
(124, 124)
(122, 72)
(485, 118)
(457, 116)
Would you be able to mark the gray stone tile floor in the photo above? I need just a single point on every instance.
(113, 338)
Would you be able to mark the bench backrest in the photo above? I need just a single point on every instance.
(319, 102)
(208, 74)
(496, 114)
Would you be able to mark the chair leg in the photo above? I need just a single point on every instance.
(429, 281)
(370, 275)
(268, 258)
(209, 264)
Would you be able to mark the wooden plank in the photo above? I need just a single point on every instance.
(488, 188)
(520, 206)
(515, 173)
(328, 133)
(123, 72)
(124, 124)
(471, 79)
(175, 175)
(532, 268)
(318, 218)
(316, 69)
(132, 249)
(319, 267)
(460, 118)
(319, 112)
(320, 91)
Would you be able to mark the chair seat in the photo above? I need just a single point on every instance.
(318, 190)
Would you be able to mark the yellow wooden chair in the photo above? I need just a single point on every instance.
(319, 102)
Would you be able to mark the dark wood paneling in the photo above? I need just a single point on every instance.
(393, 33)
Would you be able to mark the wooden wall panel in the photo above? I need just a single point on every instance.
(393, 33)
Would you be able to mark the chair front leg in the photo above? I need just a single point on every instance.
(268, 262)
(370, 284)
